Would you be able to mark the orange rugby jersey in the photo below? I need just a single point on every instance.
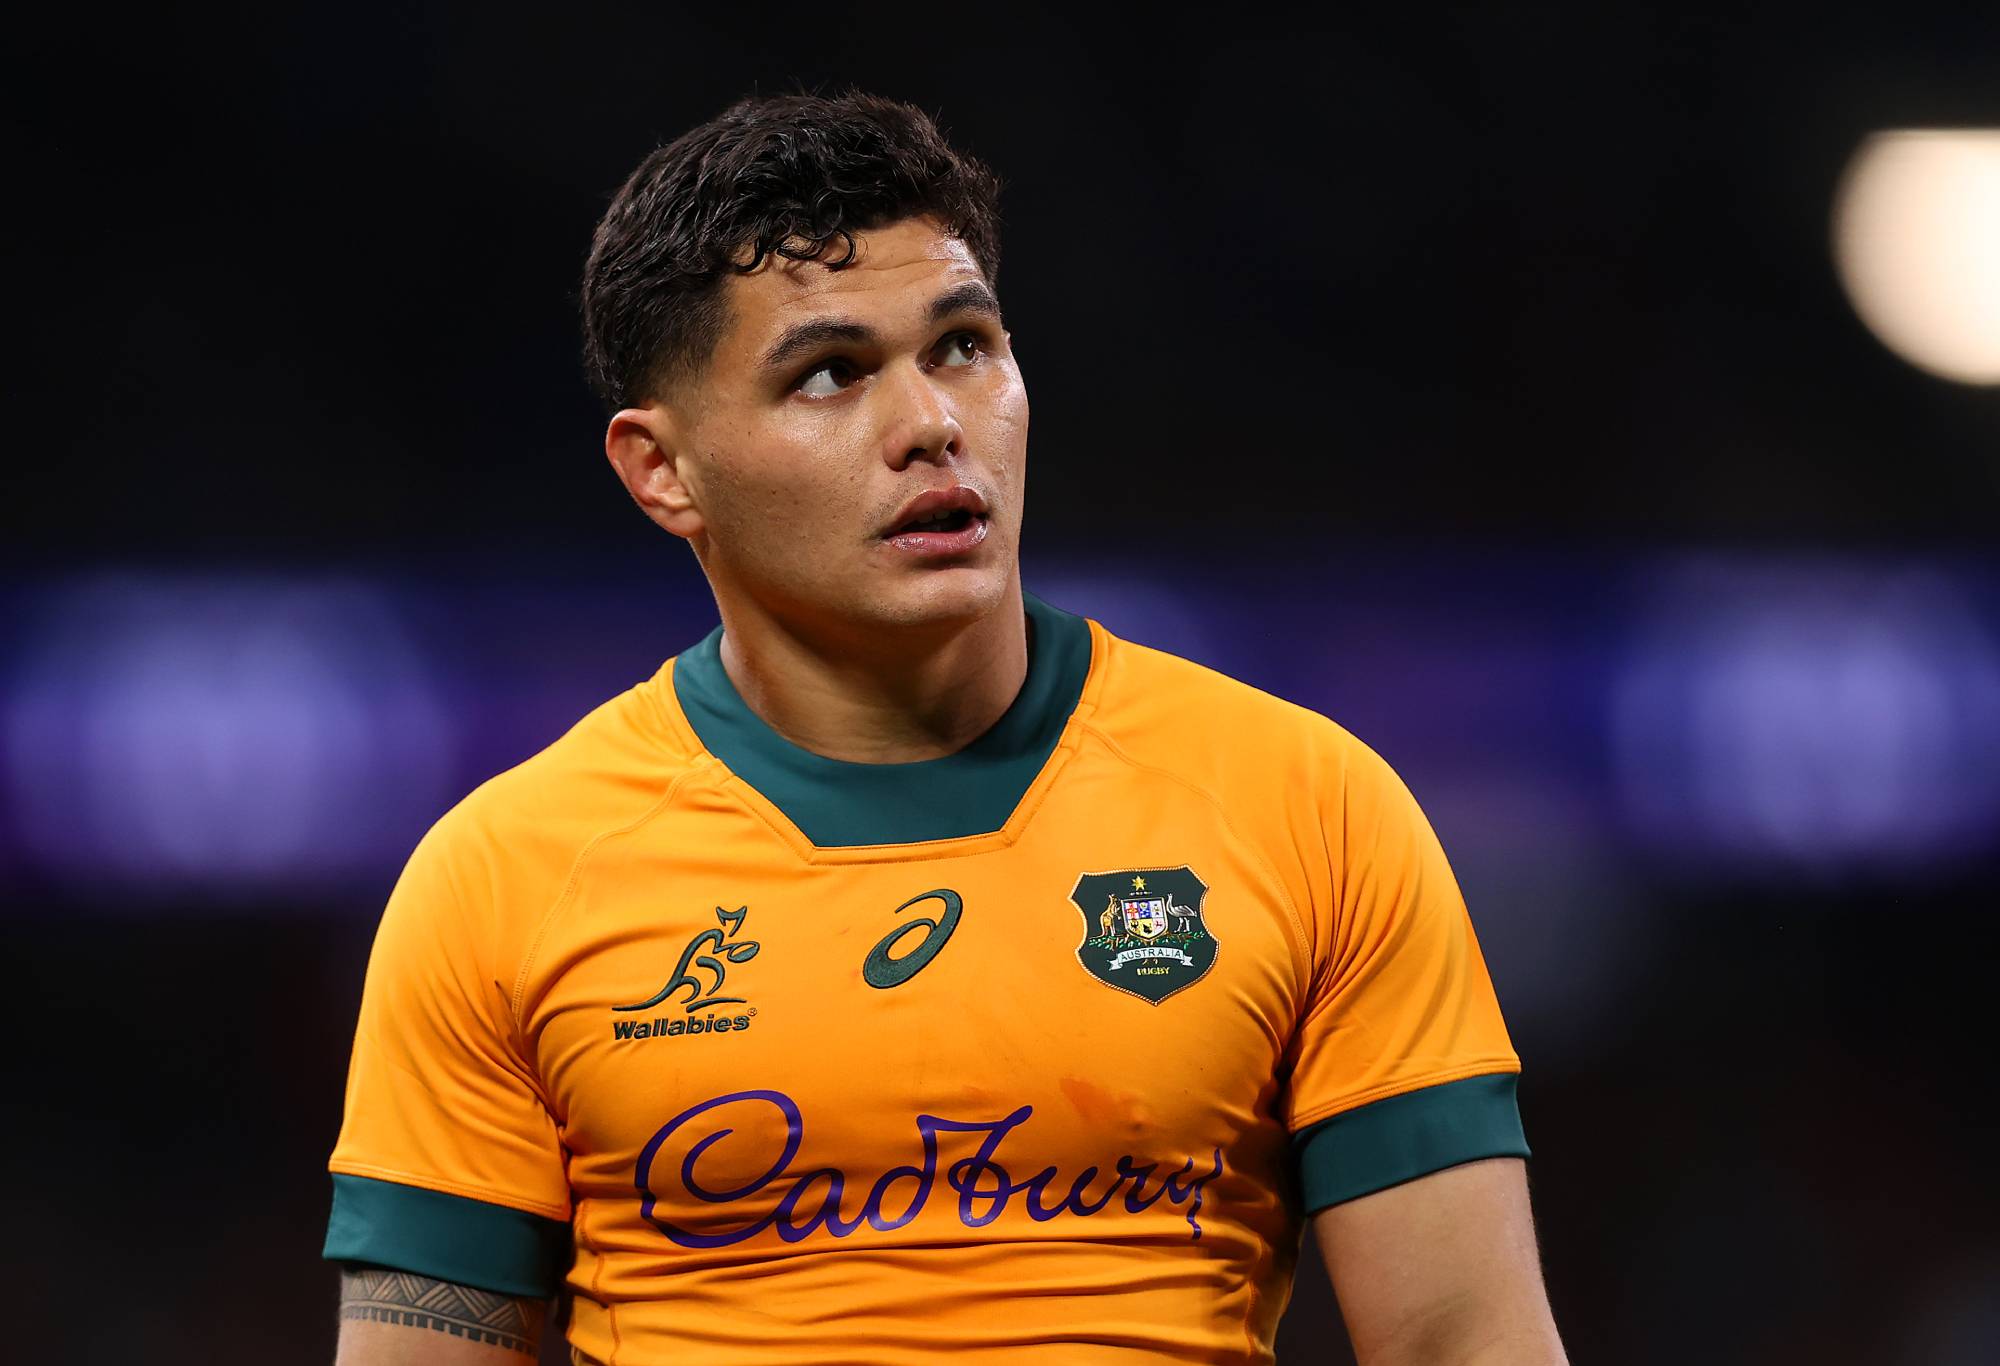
(1040, 1050)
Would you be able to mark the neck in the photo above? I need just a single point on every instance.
(878, 695)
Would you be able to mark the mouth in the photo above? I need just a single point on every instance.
(941, 522)
(958, 519)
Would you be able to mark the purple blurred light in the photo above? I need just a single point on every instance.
(1813, 715)
(175, 737)
(168, 736)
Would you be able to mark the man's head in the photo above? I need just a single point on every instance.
(790, 310)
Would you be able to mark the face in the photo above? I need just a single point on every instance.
(853, 455)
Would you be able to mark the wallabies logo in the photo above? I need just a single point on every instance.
(697, 984)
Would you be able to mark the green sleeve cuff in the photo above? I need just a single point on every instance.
(1388, 1142)
(446, 1237)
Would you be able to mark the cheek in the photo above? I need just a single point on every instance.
(773, 501)
(1005, 421)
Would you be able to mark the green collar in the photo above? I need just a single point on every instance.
(836, 804)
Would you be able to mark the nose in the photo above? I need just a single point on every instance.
(923, 424)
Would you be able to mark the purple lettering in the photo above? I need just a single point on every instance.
(802, 1205)
(642, 1177)
(964, 1175)
(1073, 1203)
(923, 1176)
(1177, 1193)
(1137, 1175)
(829, 1210)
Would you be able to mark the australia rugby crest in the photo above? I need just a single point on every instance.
(1143, 931)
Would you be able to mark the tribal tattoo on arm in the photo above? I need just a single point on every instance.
(406, 1300)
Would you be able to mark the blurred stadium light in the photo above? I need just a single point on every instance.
(1916, 238)
(226, 737)
(1810, 716)
(174, 735)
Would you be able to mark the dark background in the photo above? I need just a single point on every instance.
(1480, 378)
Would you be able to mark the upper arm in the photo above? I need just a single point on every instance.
(396, 1318)
(449, 1166)
(1442, 1269)
(1401, 1093)
(1399, 1063)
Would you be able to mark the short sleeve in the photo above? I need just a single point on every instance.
(1400, 1064)
(449, 1162)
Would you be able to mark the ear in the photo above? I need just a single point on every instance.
(643, 447)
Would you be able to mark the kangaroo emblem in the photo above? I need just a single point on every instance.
(726, 946)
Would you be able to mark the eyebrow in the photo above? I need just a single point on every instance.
(808, 337)
(971, 297)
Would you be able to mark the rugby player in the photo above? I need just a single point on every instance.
(910, 967)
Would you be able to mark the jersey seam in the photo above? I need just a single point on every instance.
(1485, 1067)
(443, 1186)
(459, 904)
(387, 1060)
(570, 884)
(1301, 947)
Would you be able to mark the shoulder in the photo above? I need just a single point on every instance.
(1165, 712)
(514, 838)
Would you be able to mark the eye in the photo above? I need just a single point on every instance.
(960, 348)
(825, 379)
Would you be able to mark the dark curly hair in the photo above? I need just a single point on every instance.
(794, 176)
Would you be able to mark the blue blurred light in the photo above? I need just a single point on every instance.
(174, 736)
(1812, 715)
(1565, 723)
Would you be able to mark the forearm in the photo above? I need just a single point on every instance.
(1523, 1348)
(1537, 1352)
(395, 1318)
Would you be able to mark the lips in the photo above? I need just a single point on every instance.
(946, 511)
(939, 524)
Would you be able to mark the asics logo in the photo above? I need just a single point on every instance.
(881, 969)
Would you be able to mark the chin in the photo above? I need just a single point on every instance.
(941, 597)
